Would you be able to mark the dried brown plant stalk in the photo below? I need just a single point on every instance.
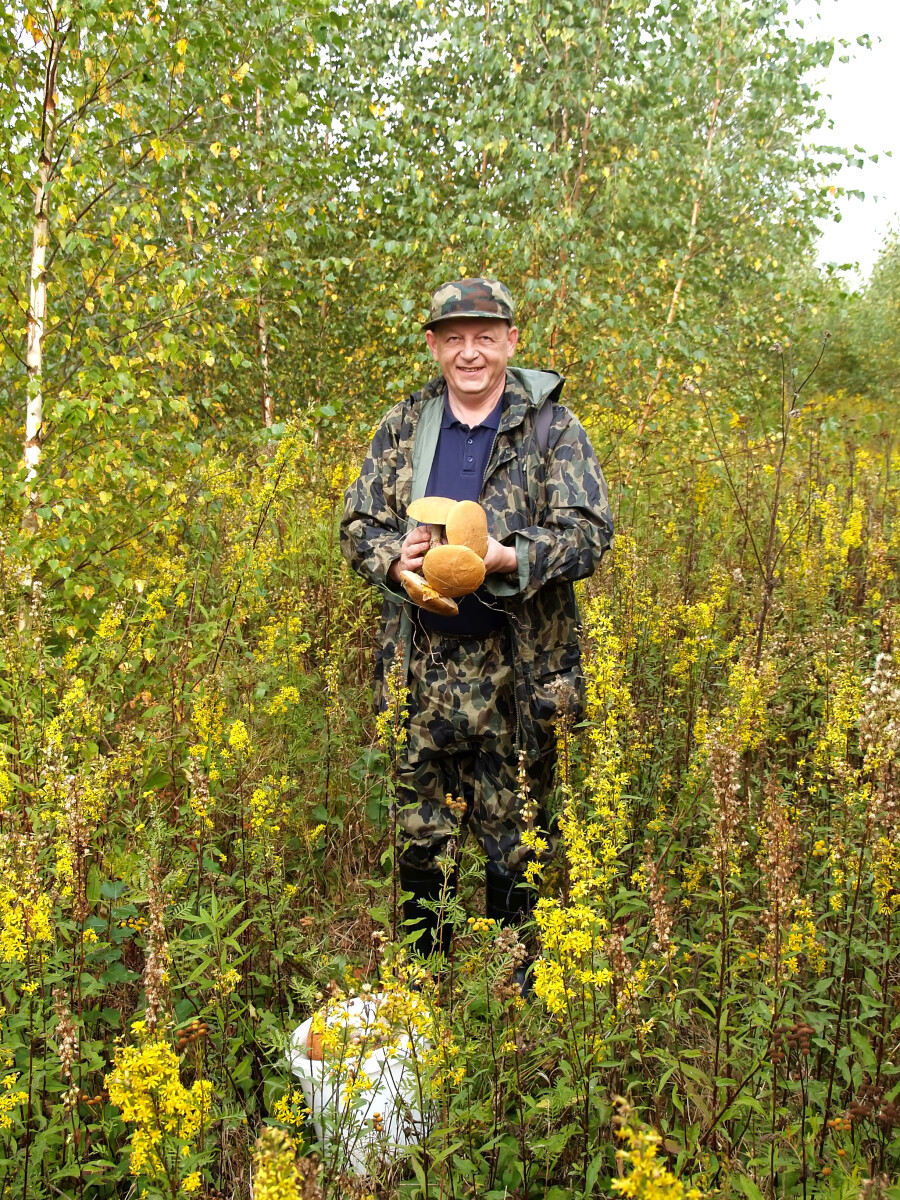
(155, 968)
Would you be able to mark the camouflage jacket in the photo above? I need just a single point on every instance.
(553, 507)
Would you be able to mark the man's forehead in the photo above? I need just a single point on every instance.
(471, 326)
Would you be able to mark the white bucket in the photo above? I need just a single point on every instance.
(383, 1117)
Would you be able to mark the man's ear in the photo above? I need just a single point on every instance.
(512, 340)
(432, 343)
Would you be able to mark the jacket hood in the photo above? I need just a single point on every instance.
(538, 385)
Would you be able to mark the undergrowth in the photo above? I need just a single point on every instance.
(197, 850)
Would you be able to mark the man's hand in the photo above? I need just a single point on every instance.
(414, 548)
(500, 560)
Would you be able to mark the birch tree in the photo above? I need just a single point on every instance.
(133, 189)
(52, 42)
(637, 172)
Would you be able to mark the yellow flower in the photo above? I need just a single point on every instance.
(291, 1108)
(239, 738)
(146, 1085)
(226, 981)
(277, 1175)
(207, 722)
(10, 1100)
(887, 873)
(6, 781)
(25, 908)
(390, 725)
(647, 1177)
(109, 623)
(283, 700)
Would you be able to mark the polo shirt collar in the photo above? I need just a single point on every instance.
(491, 421)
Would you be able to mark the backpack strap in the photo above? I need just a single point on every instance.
(542, 423)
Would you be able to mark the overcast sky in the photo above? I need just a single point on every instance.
(865, 112)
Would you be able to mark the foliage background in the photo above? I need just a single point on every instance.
(242, 213)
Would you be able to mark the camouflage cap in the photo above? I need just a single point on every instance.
(471, 298)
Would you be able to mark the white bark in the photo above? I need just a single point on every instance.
(262, 340)
(688, 254)
(262, 333)
(37, 295)
(37, 311)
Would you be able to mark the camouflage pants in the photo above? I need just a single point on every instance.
(462, 743)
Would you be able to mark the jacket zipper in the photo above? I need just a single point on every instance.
(512, 635)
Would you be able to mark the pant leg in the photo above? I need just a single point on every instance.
(427, 823)
(462, 740)
(498, 820)
(458, 698)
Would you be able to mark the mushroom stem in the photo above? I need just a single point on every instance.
(435, 531)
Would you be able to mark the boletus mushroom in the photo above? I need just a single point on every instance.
(466, 525)
(432, 511)
(425, 596)
(314, 1046)
(453, 570)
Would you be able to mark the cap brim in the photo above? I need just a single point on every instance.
(469, 316)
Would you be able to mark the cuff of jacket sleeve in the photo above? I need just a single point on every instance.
(515, 582)
(388, 553)
(395, 590)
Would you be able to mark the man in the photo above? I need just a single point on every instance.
(486, 685)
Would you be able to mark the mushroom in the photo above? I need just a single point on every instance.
(431, 511)
(453, 570)
(466, 525)
(425, 596)
(314, 1046)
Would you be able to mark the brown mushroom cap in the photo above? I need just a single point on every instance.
(431, 510)
(466, 525)
(314, 1046)
(453, 570)
(425, 596)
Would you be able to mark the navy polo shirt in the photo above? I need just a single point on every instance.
(460, 461)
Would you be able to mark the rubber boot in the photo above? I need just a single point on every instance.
(510, 901)
(427, 885)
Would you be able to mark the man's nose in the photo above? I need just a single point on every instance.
(470, 350)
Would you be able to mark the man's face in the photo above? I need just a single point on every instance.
(472, 354)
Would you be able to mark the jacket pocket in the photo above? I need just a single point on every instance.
(557, 688)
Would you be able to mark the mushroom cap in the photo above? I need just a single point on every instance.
(453, 570)
(466, 525)
(430, 510)
(424, 595)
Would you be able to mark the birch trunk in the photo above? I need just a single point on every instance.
(262, 341)
(262, 333)
(648, 408)
(37, 295)
(682, 274)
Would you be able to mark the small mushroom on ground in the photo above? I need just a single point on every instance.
(466, 525)
(425, 596)
(432, 511)
(453, 570)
